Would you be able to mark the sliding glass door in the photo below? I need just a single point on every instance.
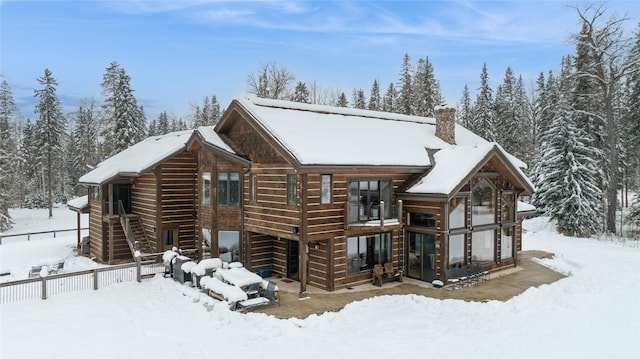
(421, 253)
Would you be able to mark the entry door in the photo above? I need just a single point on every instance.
(421, 254)
(122, 192)
(292, 259)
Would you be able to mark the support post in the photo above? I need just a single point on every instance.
(44, 287)
(95, 279)
(139, 269)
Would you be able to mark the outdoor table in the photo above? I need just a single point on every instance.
(241, 277)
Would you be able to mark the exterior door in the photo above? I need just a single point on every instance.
(421, 256)
(292, 259)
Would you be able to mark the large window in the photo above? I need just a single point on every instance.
(482, 245)
(228, 188)
(483, 205)
(365, 198)
(458, 214)
(456, 248)
(506, 243)
(325, 189)
(365, 251)
(291, 189)
(206, 188)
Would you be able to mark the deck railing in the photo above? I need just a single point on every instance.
(45, 287)
(29, 234)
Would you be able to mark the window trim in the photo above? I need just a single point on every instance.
(226, 202)
(206, 190)
(365, 218)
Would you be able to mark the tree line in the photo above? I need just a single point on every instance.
(578, 131)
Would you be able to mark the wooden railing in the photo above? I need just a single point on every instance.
(45, 287)
(29, 234)
(126, 226)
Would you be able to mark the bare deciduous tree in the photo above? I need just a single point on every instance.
(271, 81)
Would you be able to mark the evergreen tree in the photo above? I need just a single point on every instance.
(301, 93)
(83, 147)
(126, 124)
(8, 153)
(342, 100)
(569, 183)
(359, 100)
(483, 114)
(375, 102)
(163, 124)
(50, 133)
(390, 99)
(152, 130)
(405, 95)
(511, 116)
(465, 109)
(631, 119)
(426, 90)
(32, 174)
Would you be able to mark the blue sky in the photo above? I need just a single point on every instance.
(178, 52)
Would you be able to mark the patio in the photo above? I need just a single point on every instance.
(503, 285)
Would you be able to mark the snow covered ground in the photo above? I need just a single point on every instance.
(593, 313)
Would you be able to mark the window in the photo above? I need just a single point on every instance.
(291, 189)
(206, 188)
(170, 236)
(228, 188)
(365, 251)
(483, 205)
(482, 245)
(458, 213)
(229, 246)
(254, 187)
(456, 248)
(422, 219)
(365, 198)
(325, 189)
(95, 193)
(506, 243)
(508, 207)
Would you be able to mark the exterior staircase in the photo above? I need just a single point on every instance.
(134, 232)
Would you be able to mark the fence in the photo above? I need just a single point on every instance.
(29, 234)
(45, 287)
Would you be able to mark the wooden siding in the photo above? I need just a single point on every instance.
(250, 143)
(144, 204)
(177, 196)
(96, 230)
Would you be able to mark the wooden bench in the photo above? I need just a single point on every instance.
(385, 274)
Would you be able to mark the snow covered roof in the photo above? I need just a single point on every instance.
(78, 204)
(210, 136)
(525, 207)
(453, 165)
(138, 158)
(356, 137)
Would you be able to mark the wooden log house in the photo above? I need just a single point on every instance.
(321, 194)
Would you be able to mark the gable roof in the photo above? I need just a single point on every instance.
(453, 166)
(356, 137)
(206, 136)
(138, 158)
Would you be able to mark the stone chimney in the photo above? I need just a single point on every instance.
(446, 124)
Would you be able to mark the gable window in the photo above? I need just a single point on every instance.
(228, 188)
(254, 188)
(206, 188)
(365, 251)
(483, 202)
(365, 198)
(325, 189)
(291, 189)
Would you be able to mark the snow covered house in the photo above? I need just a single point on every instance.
(317, 194)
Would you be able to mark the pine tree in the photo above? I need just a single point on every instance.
(215, 112)
(163, 124)
(465, 109)
(426, 90)
(8, 153)
(483, 114)
(50, 132)
(83, 147)
(301, 93)
(359, 100)
(152, 129)
(125, 121)
(375, 102)
(631, 119)
(405, 95)
(390, 99)
(342, 100)
(512, 116)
